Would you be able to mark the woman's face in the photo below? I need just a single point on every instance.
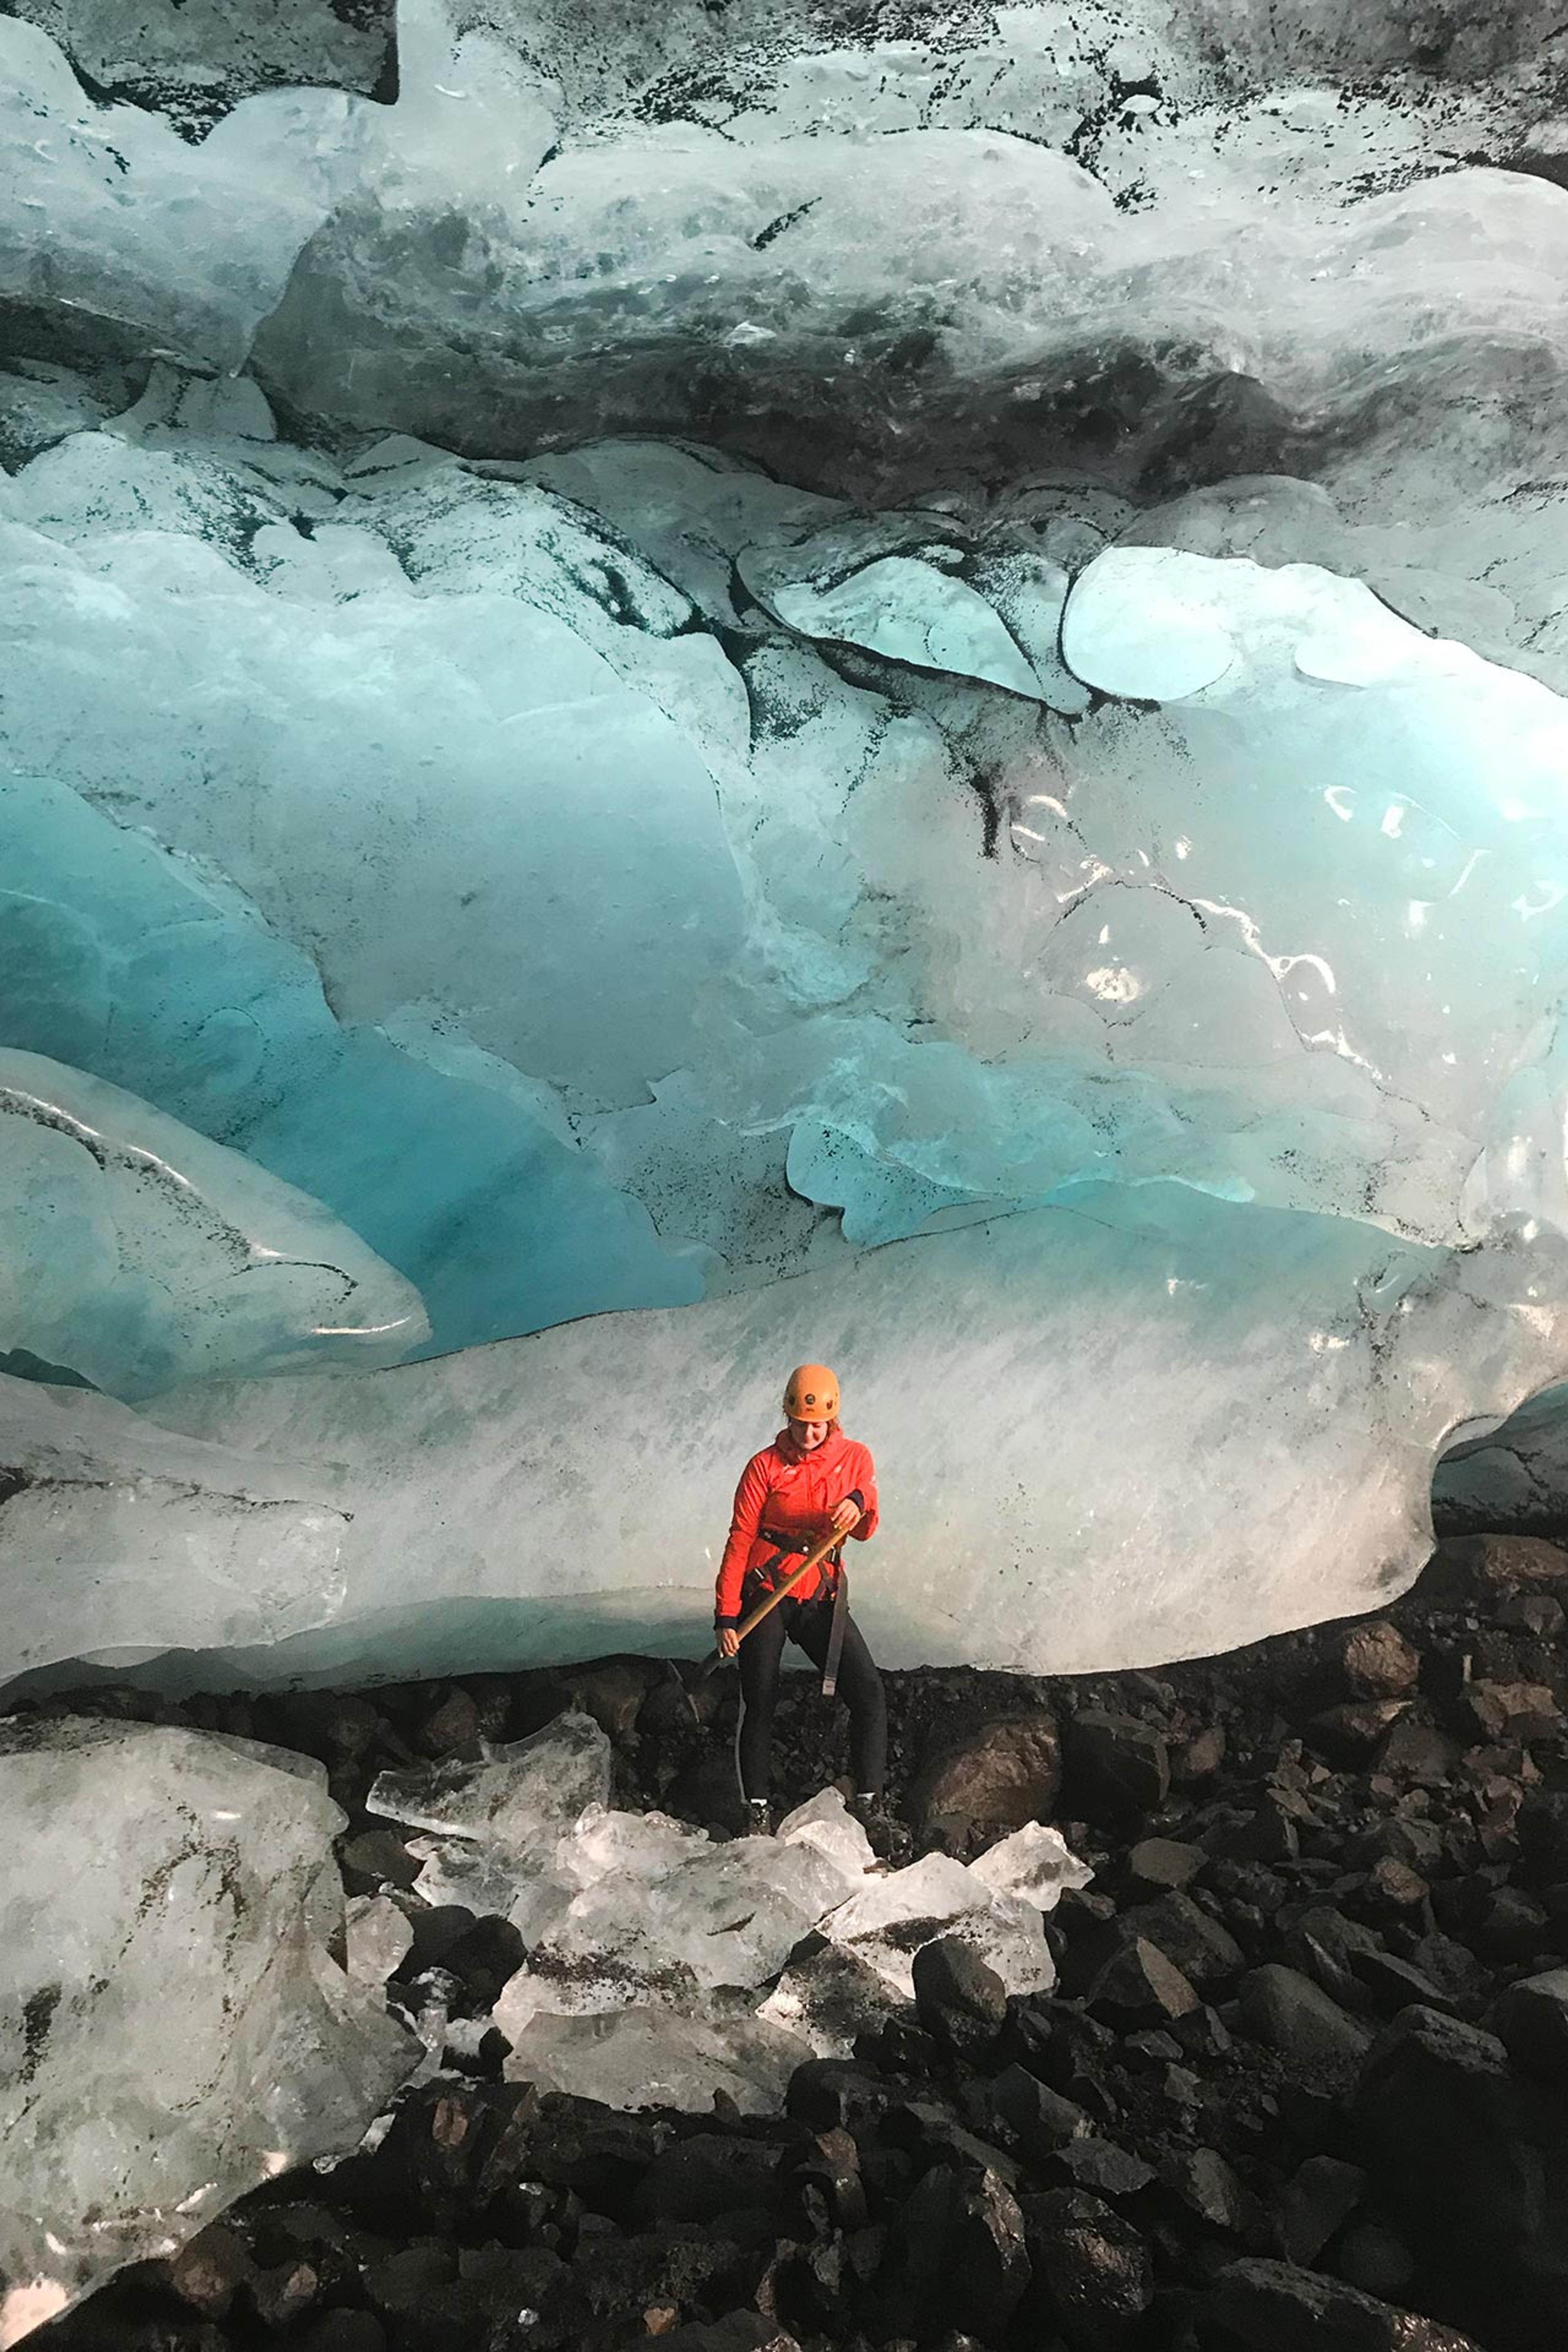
(809, 1434)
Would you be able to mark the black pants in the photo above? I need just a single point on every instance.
(809, 1623)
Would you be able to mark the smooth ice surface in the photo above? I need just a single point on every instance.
(643, 2056)
(97, 1504)
(815, 695)
(144, 1256)
(141, 1865)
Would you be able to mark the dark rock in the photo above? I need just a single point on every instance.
(1471, 2161)
(1543, 1824)
(1153, 2047)
(1267, 2306)
(1394, 1983)
(1317, 2203)
(1095, 2274)
(374, 1859)
(405, 2278)
(1199, 1758)
(961, 2003)
(1002, 1776)
(1159, 1866)
(1324, 1945)
(1375, 2261)
(1533, 1612)
(1080, 1910)
(209, 2268)
(283, 2294)
(1207, 2187)
(703, 2179)
(1269, 1833)
(1099, 2166)
(1465, 1568)
(1139, 1984)
(485, 1956)
(1349, 1733)
(451, 1727)
(681, 1699)
(1040, 2117)
(1208, 1954)
(1511, 1926)
(836, 2094)
(1375, 1661)
(1393, 1889)
(1418, 1753)
(1530, 2019)
(828, 2165)
(1117, 1767)
(613, 1691)
(435, 1930)
(1294, 2016)
(1501, 1711)
(956, 2254)
(1202, 2033)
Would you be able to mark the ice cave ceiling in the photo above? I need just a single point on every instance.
(682, 690)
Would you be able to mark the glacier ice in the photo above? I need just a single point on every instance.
(143, 1256)
(138, 1860)
(738, 695)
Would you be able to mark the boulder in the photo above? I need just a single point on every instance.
(1469, 2159)
(1268, 2306)
(1139, 1985)
(1094, 2274)
(999, 1778)
(1530, 2019)
(1294, 2016)
(1375, 1661)
(961, 2003)
(1316, 2203)
(1117, 1767)
(1159, 1866)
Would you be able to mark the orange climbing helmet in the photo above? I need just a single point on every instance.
(812, 1394)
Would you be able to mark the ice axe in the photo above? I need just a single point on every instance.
(753, 1617)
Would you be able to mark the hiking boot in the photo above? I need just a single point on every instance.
(759, 1818)
(883, 1829)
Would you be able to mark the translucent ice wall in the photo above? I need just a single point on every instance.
(697, 697)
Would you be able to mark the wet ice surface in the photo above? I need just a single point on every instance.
(153, 1880)
(655, 1955)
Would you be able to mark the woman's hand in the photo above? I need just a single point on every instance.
(729, 1642)
(845, 1514)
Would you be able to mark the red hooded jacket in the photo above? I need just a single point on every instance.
(784, 1492)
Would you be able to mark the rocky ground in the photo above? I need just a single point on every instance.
(1303, 2086)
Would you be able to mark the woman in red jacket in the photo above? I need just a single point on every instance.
(811, 1481)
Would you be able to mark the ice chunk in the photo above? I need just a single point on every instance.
(1133, 627)
(519, 1799)
(886, 1923)
(650, 2057)
(140, 1255)
(726, 1916)
(825, 1822)
(143, 1865)
(380, 1938)
(1036, 1864)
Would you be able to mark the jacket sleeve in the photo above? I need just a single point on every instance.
(865, 1487)
(751, 1495)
